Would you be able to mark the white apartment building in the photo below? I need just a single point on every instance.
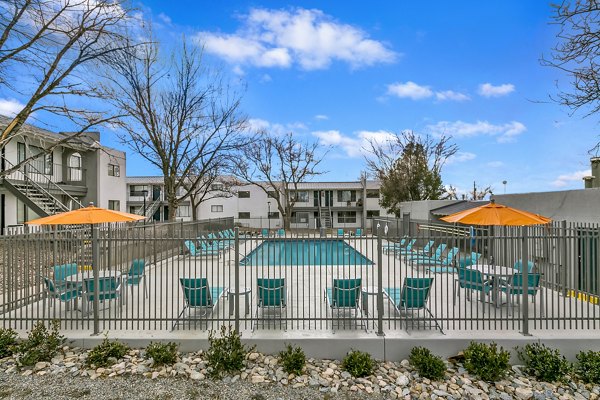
(71, 176)
(327, 204)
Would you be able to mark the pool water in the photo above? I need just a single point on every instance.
(305, 252)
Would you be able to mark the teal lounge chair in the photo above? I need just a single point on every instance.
(271, 296)
(446, 264)
(219, 242)
(137, 274)
(191, 247)
(197, 294)
(281, 232)
(344, 296)
(109, 288)
(358, 232)
(515, 288)
(340, 232)
(437, 255)
(413, 296)
(393, 246)
(264, 233)
(66, 293)
(400, 250)
(424, 252)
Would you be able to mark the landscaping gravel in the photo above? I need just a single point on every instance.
(134, 377)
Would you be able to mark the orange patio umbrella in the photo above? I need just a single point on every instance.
(87, 215)
(496, 214)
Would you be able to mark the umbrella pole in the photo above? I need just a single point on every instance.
(95, 266)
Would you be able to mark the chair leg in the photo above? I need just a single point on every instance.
(178, 317)
(437, 325)
(145, 287)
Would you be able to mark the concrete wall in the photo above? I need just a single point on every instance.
(421, 210)
(110, 187)
(568, 205)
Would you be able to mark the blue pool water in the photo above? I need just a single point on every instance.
(305, 252)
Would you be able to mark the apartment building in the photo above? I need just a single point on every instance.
(69, 177)
(146, 196)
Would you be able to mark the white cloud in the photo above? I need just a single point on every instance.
(415, 91)
(165, 18)
(565, 179)
(10, 107)
(451, 95)
(489, 90)
(410, 90)
(238, 70)
(461, 156)
(309, 38)
(504, 133)
(353, 146)
(258, 124)
(321, 117)
(265, 78)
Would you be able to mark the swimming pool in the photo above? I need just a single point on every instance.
(305, 252)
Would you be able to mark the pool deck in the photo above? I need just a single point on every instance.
(309, 319)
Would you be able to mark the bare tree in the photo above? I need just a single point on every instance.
(478, 193)
(277, 164)
(50, 53)
(181, 117)
(213, 185)
(409, 167)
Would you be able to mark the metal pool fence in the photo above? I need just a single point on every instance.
(201, 275)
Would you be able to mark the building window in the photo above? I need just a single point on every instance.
(346, 195)
(372, 213)
(274, 215)
(137, 190)
(372, 194)
(42, 162)
(216, 208)
(135, 210)
(347, 217)
(113, 170)
(114, 205)
(216, 186)
(300, 217)
(244, 215)
(184, 211)
(21, 212)
(244, 194)
(272, 194)
(301, 197)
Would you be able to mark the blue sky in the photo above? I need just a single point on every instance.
(339, 72)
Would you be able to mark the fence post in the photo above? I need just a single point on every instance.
(236, 274)
(379, 287)
(95, 266)
(563, 258)
(525, 283)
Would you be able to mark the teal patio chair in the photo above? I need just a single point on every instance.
(137, 274)
(109, 288)
(62, 272)
(66, 293)
(198, 295)
(519, 266)
(358, 232)
(471, 279)
(344, 295)
(281, 232)
(271, 296)
(191, 247)
(340, 232)
(515, 288)
(413, 296)
(471, 259)
(437, 255)
(264, 233)
(424, 252)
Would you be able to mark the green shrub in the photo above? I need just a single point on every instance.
(162, 353)
(106, 353)
(8, 340)
(40, 345)
(544, 363)
(227, 353)
(588, 366)
(292, 359)
(486, 361)
(358, 363)
(428, 365)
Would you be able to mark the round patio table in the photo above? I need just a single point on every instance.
(497, 274)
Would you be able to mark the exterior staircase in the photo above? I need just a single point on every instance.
(151, 209)
(37, 193)
(325, 217)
